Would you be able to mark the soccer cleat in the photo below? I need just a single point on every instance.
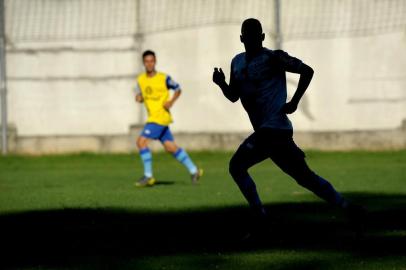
(196, 176)
(145, 182)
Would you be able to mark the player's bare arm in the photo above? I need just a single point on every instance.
(220, 79)
(139, 98)
(306, 75)
(172, 101)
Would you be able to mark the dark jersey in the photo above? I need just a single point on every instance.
(261, 86)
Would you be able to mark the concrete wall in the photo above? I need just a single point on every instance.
(390, 139)
(72, 88)
(84, 89)
(360, 83)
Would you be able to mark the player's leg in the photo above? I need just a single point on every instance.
(146, 156)
(180, 154)
(247, 155)
(291, 159)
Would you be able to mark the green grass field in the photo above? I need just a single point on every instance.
(83, 212)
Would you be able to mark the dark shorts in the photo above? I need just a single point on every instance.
(275, 144)
(157, 132)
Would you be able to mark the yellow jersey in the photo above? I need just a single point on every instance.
(155, 92)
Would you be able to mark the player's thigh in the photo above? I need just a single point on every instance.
(249, 153)
(291, 159)
(142, 142)
(151, 131)
(170, 146)
(168, 141)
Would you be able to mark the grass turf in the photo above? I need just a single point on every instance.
(83, 212)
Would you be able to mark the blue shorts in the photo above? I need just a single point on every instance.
(157, 132)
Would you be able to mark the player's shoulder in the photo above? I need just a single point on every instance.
(161, 74)
(238, 59)
(279, 56)
(273, 53)
(283, 55)
(166, 77)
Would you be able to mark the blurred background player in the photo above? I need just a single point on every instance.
(258, 79)
(152, 89)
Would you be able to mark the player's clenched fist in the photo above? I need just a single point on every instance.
(289, 107)
(218, 76)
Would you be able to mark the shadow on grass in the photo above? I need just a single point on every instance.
(164, 183)
(69, 237)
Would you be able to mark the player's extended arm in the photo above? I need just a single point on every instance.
(306, 75)
(170, 102)
(220, 80)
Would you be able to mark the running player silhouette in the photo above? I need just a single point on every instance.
(258, 80)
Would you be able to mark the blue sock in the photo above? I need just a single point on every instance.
(184, 158)
(146, 158)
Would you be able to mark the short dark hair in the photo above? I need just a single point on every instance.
(251, 25)
(148, 52)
